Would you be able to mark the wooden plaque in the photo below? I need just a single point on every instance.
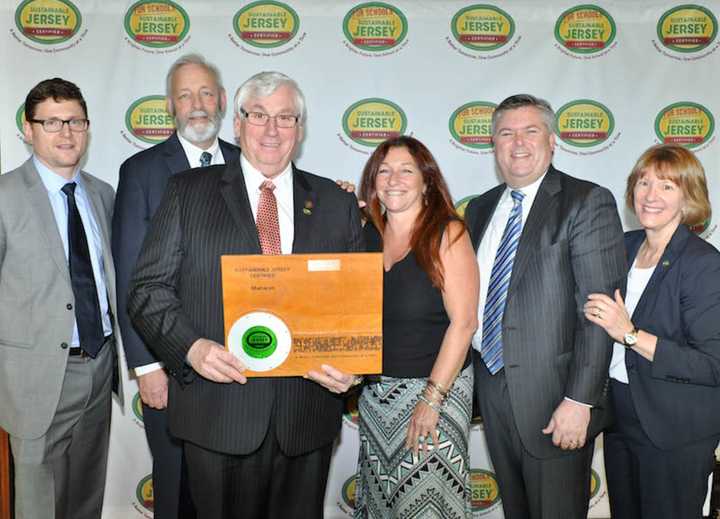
(288, 314)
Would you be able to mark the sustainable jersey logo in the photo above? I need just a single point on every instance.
(482, 27)
(462, 204)
(147, 119)
(144, 493)
(156, 23)
(375, 26)
(266, 24)
(471, 124)
(348, 491)
(371, 121)
(585, 29)
(687, 28)
(48, 21)
(584, 123)
(485, 492)
(137, 407)
(684, 123)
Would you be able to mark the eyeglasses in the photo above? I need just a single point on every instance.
(261, 119)
(55, 125)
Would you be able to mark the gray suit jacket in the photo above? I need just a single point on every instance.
(571, 245)
(36, 316)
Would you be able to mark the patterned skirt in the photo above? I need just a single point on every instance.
(391, 482)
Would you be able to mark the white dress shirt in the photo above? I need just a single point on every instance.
(637, 281)
(283, 194)
(58, 202)
(491, 241)
(193, 153)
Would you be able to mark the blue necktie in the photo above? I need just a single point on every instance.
(205, 159)
(87, 307)
(491, 349)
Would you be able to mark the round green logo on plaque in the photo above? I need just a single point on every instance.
(259, 342)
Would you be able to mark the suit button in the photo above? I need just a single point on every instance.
(64, 345)
(68, 306)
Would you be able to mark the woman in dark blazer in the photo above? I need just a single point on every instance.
(665, 370)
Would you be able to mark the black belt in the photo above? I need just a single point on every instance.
(79, 352)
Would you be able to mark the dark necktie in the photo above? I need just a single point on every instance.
(267, 220)
(87, 307)
(205, 159)
(491, 349)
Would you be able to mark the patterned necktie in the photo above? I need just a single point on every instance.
(267, 220)
(205, 159)
(491, 349)
(87, 307)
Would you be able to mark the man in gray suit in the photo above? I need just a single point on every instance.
(544, 241)
(57, 297)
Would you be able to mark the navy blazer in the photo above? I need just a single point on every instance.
(677, 396)
(142, 184)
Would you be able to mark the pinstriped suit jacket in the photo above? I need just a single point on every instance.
(571, 245)
(176, 298)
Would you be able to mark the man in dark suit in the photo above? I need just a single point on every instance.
(57, 296)
(196, 98)
(544, 241)
(256, 448)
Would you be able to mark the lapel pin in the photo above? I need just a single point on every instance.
(308, 207)
(666, 263)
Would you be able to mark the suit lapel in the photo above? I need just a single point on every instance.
(235, 195)
(230, 153)
(40, 203)
(304, 202)
(673, 249)
(174, 153)
(487, 206)
(542, 207)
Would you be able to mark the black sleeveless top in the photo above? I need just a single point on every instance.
(414, 316)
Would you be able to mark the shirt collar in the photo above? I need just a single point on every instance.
(529, 191)
(193, 152)
(52, 181)
(255, 177)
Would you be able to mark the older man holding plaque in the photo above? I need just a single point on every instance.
(248, 442)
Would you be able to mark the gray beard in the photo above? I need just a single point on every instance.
(196, 134)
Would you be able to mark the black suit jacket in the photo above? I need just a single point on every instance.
(143, 179)
(176, 298)
(677, 396)
(571, 245)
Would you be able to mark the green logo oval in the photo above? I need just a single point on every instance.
(266, 24)
(584, 123)
(585, 29)
(147, 119)
(685, 123)
(259, 342)
(137, 407)
(482, 27)
(687, 28)
(371, 121)
(470, 125)
(48, 21)
(144, 493)
(375, 26)
(157, 23)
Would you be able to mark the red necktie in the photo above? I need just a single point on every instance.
(267, 220)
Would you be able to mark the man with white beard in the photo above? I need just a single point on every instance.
(196, 98)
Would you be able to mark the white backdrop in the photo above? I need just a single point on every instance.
(623, 74)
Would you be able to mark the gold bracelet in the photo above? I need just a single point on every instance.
(438, 387)
(432, 405)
